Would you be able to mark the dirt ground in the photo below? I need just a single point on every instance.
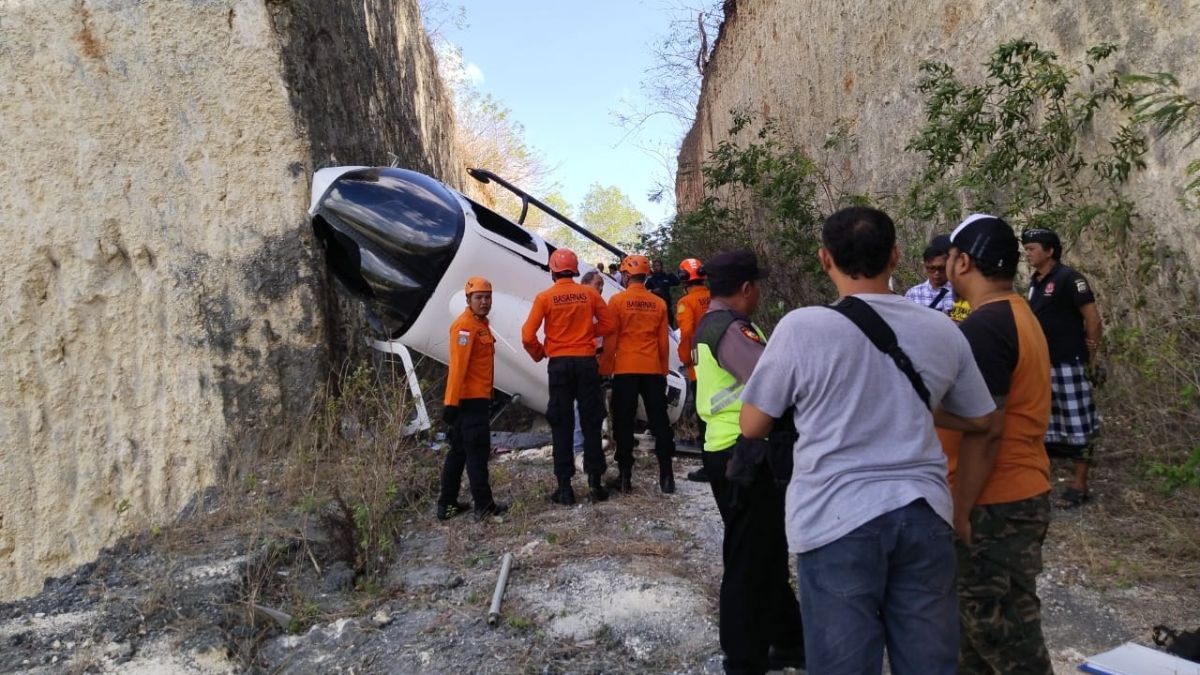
(624, 586)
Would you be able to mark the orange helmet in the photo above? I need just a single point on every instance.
(477, 285)
(564, 260)
(690, 270)
(634, 265)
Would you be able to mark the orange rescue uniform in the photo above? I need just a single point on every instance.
(690, 309)
(574, 316)
(639, 345)
(472, 359)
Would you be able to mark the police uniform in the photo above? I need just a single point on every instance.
(758, 608)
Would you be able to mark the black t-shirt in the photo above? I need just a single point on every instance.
(660, 283)
(1056, 299)
(992, 333)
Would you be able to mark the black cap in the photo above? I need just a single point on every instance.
(940, 243)
(1040, 235)
(732, 269)
(987, 239)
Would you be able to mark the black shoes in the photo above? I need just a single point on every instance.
(493, 509)
(698, 476)
(448, 511)
(666, 483)
(596, 490)
(625, 482)
(565, 494)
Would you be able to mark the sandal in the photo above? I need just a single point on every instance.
(1071, 498)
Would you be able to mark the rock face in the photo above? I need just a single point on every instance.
(163, 312)
(815, 62)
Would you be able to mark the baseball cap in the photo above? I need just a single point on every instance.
(987, 239)
(1040, 235)
(733, 268)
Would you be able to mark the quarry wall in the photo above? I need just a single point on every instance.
(812, 63)
(163, 310)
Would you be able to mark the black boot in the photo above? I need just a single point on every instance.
(666, 483)
(698, 475)
(626, 480)
(494, 509)
(565, 494)
(596, 490)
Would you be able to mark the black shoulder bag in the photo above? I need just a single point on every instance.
(941, 294)
(884, 338)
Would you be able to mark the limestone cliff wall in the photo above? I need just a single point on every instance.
(163, 310)
(811, 63)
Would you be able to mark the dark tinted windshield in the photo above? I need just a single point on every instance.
(390, 235)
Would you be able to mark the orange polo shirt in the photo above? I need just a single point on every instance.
(573, 315)
(472, 359)
(688, 312)
(1021, 469)
(639, 345)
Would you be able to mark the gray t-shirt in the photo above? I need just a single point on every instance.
(866, 441)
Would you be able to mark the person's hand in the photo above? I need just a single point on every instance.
(450, 414)
(962, 527)
(1096, 374)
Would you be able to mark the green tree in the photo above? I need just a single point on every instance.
(608, 213)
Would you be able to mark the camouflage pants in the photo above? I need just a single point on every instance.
(998, 607)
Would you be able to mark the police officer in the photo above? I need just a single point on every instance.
(637, 356)
(466, 405)
(571, 316)
(688, 312)
(760, 617)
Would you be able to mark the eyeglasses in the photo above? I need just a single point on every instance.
(940, 269)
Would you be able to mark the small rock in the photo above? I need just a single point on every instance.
(454, 582)
(39, 615)
(381, 618)
(119, 650)
(339, 577)
(57, 644)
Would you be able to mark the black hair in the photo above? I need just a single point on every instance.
(588, 276)
(564, 273)
(991, 270)
(637, 277)
(932, 252)
(722, 287)
(860, 240)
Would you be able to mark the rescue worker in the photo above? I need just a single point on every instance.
(688, 312)
(637, 355)
(760, 623)
(571, 316)
(466, 406)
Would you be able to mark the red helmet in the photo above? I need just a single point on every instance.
(691, 270)
(634, 265)
(477, 285)
(564, 260)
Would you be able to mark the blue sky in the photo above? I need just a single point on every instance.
(562, 68)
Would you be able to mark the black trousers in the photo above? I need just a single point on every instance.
(690, 410)
(470, 446)
(653, 391)
(714, 467)
(758, 608)
(575, 378)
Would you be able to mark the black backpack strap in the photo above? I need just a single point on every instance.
(941, 294)
(883, 337)
(711, 329)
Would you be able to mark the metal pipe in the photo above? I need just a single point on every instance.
(501, 584)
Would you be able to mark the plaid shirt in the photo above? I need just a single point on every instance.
(924, 293)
